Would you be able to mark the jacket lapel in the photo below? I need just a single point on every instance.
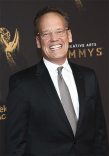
(45, 80)
(79, 80)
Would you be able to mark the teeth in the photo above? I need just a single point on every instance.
(55, 47)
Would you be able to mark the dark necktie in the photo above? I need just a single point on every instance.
(66, 100)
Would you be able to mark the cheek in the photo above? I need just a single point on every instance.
(67, 43)
(45, 45)
(45, 48)
(66, 40)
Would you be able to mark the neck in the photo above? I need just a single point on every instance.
(57, 62)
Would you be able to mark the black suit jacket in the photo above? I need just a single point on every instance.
(37, 124)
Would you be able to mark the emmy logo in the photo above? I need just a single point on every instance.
(8, 46)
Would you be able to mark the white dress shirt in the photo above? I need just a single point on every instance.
(68, 78)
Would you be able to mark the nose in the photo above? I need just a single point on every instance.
(53, 36)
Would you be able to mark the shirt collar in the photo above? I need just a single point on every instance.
(53, 67)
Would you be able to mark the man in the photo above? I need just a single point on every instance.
(40, 122)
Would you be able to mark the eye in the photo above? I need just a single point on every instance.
(59, 32)
(46, 34)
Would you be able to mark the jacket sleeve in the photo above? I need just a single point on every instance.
(101, 139)
(17, 118)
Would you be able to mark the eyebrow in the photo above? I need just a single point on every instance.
(50, 30)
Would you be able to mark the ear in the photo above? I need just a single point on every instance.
(38, 42)
(70, 36)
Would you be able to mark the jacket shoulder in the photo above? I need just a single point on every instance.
(26, 72)
(80, 68)
(23, 76)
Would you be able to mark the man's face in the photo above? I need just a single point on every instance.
(54, 49)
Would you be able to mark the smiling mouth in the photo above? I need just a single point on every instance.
(56, 47)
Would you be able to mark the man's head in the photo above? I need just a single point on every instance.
(46, 10)
(53, 35)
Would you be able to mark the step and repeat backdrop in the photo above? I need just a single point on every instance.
(89, 25)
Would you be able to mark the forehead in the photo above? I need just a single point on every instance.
(51, 21)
